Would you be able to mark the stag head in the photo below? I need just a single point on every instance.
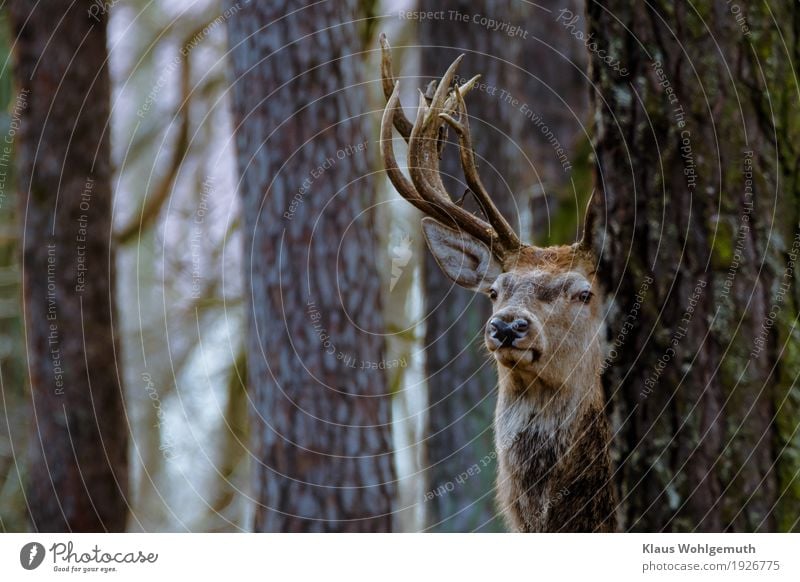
(546, 317)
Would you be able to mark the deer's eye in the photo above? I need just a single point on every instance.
(492, 294)
(584, 296)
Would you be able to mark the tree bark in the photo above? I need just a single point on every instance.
(78, 458)
(696, 162)
(320, 423)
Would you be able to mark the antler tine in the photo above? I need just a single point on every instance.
(426, 189)
(424, 161)
(467, 87)
(587, 238)
(388, 83)
(398, 179)
(505, 231)
(422, 165)
(437, 206)
(440, 96)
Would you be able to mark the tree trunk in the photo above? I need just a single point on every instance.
(321, 411)
(516, 163)
(78, 471)
(14, 433)
(695, 147)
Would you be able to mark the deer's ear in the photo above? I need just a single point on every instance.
(463, 258)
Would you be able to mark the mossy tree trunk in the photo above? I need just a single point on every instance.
(696, 157)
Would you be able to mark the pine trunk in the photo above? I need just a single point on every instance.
(320, 410)
(696, 157)
(78, 465)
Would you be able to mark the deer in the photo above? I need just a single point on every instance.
(554, 471)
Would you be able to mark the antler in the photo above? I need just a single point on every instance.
(426, 190)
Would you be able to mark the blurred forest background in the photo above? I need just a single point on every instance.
(241, 232)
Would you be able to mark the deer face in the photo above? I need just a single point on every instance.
(546, 320)
(546, 316)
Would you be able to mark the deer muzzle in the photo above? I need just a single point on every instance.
(515, 337)
(504, 334)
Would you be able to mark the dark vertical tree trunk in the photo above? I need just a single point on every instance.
(555, 140)
(696, 156)
(515, 163)
(78, 471)
(320, 414)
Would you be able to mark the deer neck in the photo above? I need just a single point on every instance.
(554, 468)
(525, 402)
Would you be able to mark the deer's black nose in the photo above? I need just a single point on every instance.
(506, 333)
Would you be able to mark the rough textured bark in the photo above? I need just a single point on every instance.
(78, 465)
(320, 423)
(14, 433)
(515, 163)
(696, 157)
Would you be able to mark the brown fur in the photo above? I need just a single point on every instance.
(550, 429)
(558, 481)
(551, 432)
